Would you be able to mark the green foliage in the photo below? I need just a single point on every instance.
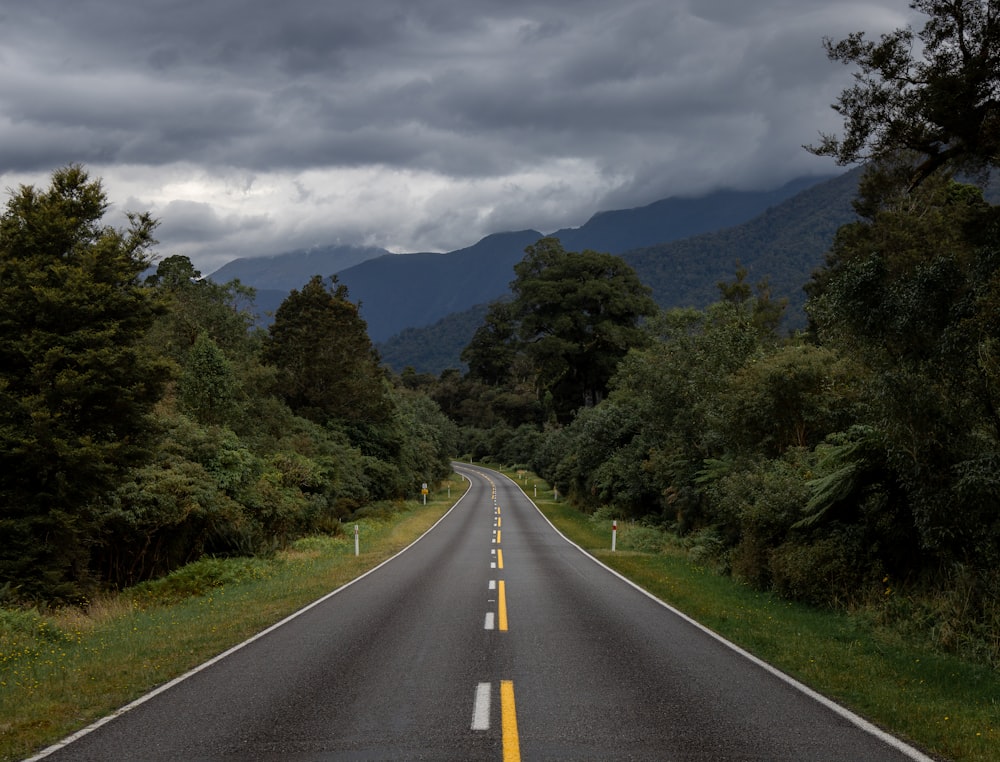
(76, 383)
(208, 386)
(101, 488)
(940, 106)
(918, 311)
(199, 578)
(578, 314)
(196, 305)
(328, 369)
(824, 572)
(491, 352)
(753, 505)
(792, 397)
(572, 318)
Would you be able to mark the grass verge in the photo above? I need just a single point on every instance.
(61, 670)
(946, 706)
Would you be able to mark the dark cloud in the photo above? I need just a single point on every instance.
(414, 125)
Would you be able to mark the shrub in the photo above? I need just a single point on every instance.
(644, 539)
(199, 578)
(823, 572)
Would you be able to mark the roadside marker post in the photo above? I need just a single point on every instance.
(357, 545)
(614, 534)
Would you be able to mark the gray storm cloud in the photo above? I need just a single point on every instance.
(252, 127)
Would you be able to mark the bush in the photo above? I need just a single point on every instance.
(199, 578)
(823, 572)
(756, 504)
(708, 548)
(644, 539)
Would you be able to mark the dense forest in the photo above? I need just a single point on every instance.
(145, 421)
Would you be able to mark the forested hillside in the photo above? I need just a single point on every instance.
(398, 292)
(676, 218)
(783, 245)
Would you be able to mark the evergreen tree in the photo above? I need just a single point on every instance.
(208, 387)
(328, 368)
(76, 384)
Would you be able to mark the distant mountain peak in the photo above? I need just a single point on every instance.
(293, 269)
(676, 217)
(401, 291)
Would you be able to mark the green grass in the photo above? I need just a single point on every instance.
(61, 670)
(940, 703)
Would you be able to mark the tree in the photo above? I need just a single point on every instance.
(944, 106)
(909, 292)
(328, 369)
(792, 397)
(208, 386)
(196, 305)
(76, 383)
(573, 317)
(491, 352)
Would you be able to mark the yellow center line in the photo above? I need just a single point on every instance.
(502, 605)
(498, 537)
(499, 558)
(508, 722)
(499, 522)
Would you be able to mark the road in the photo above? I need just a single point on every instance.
(491, 638)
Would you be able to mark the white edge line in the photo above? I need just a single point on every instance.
(847, 714)
(168, 685)
(481, 707)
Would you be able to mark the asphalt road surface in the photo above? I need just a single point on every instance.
(491, 638)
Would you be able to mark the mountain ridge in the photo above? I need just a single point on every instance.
(784, 245)
(397, 292)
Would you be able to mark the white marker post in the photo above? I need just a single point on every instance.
(357, 542)
(423, 490)
(614, 534)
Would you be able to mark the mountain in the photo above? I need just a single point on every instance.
(410, 291)
(670, 219)
(293, 269)
(432, 348)
(404, 291)
(784, 243)
(401, 291)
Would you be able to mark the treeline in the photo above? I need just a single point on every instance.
(145, 421)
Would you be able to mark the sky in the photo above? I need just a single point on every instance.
(250, 128)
